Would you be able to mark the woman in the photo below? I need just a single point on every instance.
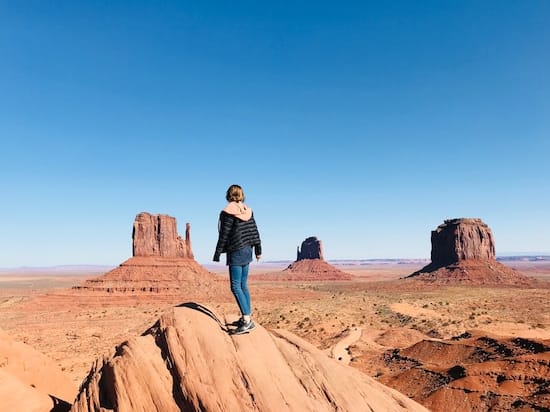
(237, 235)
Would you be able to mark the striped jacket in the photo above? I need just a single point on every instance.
(235, 234)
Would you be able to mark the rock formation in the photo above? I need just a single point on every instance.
(162, 263)
(462, 239)
(463, 251)
(30, 381)
(472, 372)
(157, 235)
(312, 248)
(309, 266)
(187, 362)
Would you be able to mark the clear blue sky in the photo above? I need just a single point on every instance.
(363, 123)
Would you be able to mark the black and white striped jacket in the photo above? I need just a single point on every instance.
(235, 234)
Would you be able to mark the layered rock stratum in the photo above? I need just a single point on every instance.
(162, 263)
(187, 362)
(463, 251)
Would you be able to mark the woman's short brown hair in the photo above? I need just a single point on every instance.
(235, 194)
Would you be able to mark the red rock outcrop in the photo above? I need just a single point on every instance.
(472, 372)
(157, 235)
(30, 381)
(463, 251)
(162, 263)
(187, 362)
(312, 248)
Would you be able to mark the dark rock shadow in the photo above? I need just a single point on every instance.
(431, 267)
(59, 405)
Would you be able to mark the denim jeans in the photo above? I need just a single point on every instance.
(239, 278)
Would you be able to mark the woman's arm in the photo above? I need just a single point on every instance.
(225, 225)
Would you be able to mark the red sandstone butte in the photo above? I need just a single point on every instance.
(157, 235)
(162, 263)
(463, 252)
(309, 266)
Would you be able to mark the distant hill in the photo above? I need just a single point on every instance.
(59, 270)
(524, 258)
(100, 269)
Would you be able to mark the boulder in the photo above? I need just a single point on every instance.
(188, 362)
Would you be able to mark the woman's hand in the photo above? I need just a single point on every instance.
(258, 257)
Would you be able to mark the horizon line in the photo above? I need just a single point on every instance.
(362, 259)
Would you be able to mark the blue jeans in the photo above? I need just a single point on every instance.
(239, 277)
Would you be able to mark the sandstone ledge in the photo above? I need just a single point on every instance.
(186, 361)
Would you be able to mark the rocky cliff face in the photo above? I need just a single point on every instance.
(462, 239)
(463, 251)
(312, 248)
(157, 235)
(187, 362)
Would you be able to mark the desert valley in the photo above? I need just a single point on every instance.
(461, 332)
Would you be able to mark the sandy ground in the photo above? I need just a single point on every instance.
(334, 316)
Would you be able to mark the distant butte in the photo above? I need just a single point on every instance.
(312, 248)
(157, 235)
(463, 252)
(309, 266)
(162, 262)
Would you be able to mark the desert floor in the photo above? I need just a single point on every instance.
(342, 318)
